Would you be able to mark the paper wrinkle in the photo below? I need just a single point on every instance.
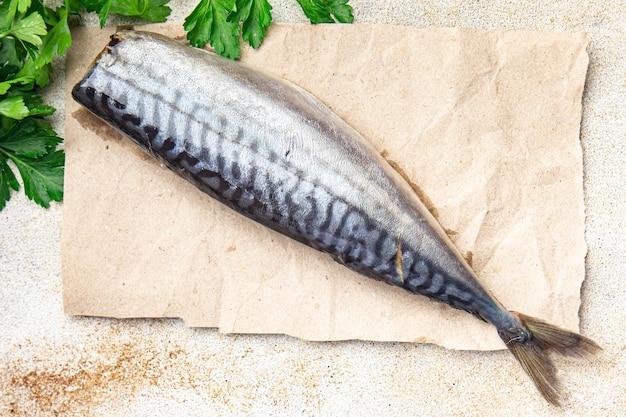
(485, 122)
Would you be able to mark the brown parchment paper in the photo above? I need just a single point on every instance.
(486, 122)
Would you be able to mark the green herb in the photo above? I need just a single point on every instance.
(153, 10)
(218, 21)
(30, 37)
(327, 11)
(56, 42)
(30, 144)
(29, 29)
(209, 22)
(255, 17)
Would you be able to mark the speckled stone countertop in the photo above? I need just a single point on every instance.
(55, 365)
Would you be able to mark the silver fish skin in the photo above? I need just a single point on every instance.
(272, 151)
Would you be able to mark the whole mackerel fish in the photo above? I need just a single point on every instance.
(270, 150)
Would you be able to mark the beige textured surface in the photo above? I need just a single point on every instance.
(51, 364)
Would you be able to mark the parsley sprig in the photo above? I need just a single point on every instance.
(152, 10)
(223, 22)
(327, 11)
(32, 35)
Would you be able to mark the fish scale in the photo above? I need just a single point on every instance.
(273, 152)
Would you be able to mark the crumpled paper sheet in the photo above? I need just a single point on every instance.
(485, 122)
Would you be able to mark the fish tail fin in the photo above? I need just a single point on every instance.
(532, 344)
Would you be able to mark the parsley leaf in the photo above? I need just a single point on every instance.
(100, 6)
(29, 29)
(209, 21)
(30, 145)
(33, 101)
(30, 137)
(327, 11)
(153, 10)
(7, 181)
(5, 85)
(7, 14)
(57, 41)
(28, 141)
(217, 21)
(256, 18)
(43, 177)
(13, 107)
(22, 5)
(10, 56)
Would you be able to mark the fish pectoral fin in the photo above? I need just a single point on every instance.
(532, 350)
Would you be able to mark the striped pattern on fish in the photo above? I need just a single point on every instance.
(273, 152)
